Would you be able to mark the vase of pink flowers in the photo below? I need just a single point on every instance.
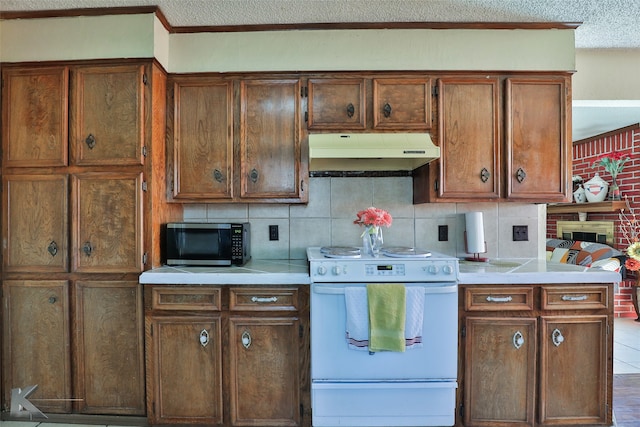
(373, 219)
(614, 164)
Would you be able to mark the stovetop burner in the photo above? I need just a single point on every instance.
(340, 252)
(405, 252)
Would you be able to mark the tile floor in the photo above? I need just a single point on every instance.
(626, 360)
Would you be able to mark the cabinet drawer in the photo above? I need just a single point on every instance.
(181, 298)
(574, 297)
(263, 299)
(505, 298)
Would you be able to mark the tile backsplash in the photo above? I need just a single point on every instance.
(333, 202)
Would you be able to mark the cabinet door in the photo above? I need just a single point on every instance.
(107, 115)
(337, 104)
(538, 141)
(402, 104)
(264, 372)
(109, 343)
(203, 139)
(500, 369)
(270, 145)
(36, 342)
(107, 213)
(35, 116)
(35, 226)
(573, 366)
(184, 363)
(469, 138)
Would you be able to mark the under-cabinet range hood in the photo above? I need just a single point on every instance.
(370, 151)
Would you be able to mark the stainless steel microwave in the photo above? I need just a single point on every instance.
(207, 244)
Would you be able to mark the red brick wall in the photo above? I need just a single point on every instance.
(585, 152)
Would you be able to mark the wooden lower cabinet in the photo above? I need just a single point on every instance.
(227, 356)
(536, 355)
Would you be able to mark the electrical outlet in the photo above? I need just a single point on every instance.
(520, 233)
(273, 232)
(443, 233)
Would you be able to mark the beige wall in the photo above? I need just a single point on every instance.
(607, 74)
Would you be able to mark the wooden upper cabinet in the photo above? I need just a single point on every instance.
(107, 115)
(402, 103)
(337, 104)
(107, 206)
(538, 163)
(270, 140)
(469, 135)
(35, 326)
(202, 138)
(35, 116)
(35, 223)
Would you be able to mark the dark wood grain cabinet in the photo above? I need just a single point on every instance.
(536, 355)
(214, 354)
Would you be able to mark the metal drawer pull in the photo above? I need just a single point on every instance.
(386, 110)
(499, 299)
(518, 340)
(574, 297)
(264, 299)
(350, 110)
(246, 339)
(204, 338)
(90, 141)
(53, 248)
(556, 337)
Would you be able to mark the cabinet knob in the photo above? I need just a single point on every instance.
(52, 300)
(52, 248)
(253, 175)
(484, 175)
(90, 141)
(518, 340)
(520, 175)
(218, 176)
(351, 110)
(87, 248)
(204, 338)
(556, 337)
(246, 339)
(387, 110)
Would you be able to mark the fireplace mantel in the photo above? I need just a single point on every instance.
(608, 206)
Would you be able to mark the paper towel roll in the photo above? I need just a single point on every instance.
(475, 233)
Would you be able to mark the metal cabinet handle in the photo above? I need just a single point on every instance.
(204, 338)
(246, 339)
(253, 176)
(499, 299)
(520, 175)
(87, 248)
(574, 297)
(518, 340)
(264, 299)
(90, 141)
(52, 300)
(351, 110)
(387, 110)
(218, 176)
(556, 337)
(53, 248)
(484, 175)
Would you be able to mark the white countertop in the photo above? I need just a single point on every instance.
(255, 272)
(516, 271)
(520, 271)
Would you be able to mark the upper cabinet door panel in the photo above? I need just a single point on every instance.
(538, 145)
(203, 139)
(107, 115)
(35, 117)
(107, 207)
(337, 104)
(35, 223)
(402, 104)
(270, 138)
(469, 136)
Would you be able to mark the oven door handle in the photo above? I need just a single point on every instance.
(336, 290)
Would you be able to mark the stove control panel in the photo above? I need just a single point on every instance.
(380, 271)
(384, 270)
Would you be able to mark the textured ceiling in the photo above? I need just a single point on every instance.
(605, 23)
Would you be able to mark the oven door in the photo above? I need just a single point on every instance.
(332, 359)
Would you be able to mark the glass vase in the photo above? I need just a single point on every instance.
(372, 240)
(614, 190)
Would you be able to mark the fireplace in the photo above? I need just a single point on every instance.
(588, 231)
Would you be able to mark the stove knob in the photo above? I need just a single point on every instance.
(433, 269)
(447, 269)
(336, 270)
(322, 270)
